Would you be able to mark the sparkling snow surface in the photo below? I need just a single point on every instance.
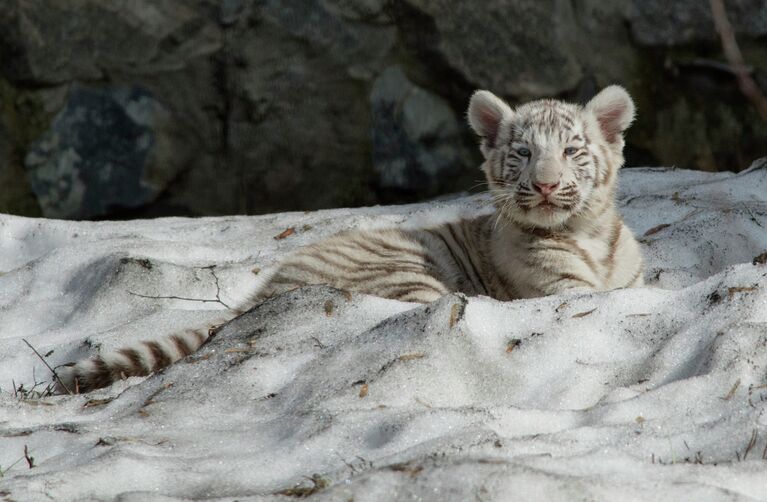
(657, 393)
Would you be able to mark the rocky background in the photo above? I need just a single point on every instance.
(117, 109)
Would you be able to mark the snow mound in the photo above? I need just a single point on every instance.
(656, 393)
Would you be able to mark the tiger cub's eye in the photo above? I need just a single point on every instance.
(570, 150)
(524, 152)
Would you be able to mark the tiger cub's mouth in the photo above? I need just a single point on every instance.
(549, 205)
(561, 201)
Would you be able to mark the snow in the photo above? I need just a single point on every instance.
(656, 393)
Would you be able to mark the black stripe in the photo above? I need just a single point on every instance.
(348, 276)
(181, 345)
(367, 247)
(468, 258)
(391, 260)
(201, 337)
(319, 274)
(414, 296)
(396, 249)
(459, 243)
(99, 376)
(551, 247)
(362, 266)
(567, 119)
(449, 250)
(161, 359)
(612, 247)
(418, 285)
(569, 277)
(136, 367)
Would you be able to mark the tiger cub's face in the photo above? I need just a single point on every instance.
(545, 161)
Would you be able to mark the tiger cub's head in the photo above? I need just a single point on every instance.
(547, 161)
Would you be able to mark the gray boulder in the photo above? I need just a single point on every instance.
(417, 138)
(522, 48)
(664, 23)
(268, 105)
(51, 42)
(92, 159)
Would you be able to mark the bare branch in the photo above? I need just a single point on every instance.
(732, 52)
(55, 375)
(173, 297)
(218, 288)
(203, 300)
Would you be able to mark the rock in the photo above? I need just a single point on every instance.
(417, 143)
(53, 42)
(230, 11)
(359, 10)
(521, 49)
(271, 105)
(23, 115)
(663, 23)
(15, 197)
(359, 46)
(297, 132)
(92, 159)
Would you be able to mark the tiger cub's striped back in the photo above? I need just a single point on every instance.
(551, 169)
(407, 265)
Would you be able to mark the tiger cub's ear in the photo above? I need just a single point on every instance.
(614, 110)
(486, 112)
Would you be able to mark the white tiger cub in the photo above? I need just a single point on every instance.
(551, 168)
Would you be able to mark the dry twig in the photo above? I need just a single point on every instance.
(584, 314)
(751, 443)
(55, 375)
(30, 460)
(185, 298)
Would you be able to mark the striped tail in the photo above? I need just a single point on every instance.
(148, 356)
(141, 359)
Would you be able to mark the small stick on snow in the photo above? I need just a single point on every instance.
(753, 216)
(732, 391)
(3, 471)
(584, 314)
(173, 297)
(55, 375)
(751, 443)
(30, 460)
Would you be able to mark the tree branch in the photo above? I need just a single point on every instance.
(732, 52)
(55, 375)
(203, 300)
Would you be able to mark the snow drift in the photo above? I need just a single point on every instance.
(656, 393)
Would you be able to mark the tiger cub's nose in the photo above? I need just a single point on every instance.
(545, 188)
